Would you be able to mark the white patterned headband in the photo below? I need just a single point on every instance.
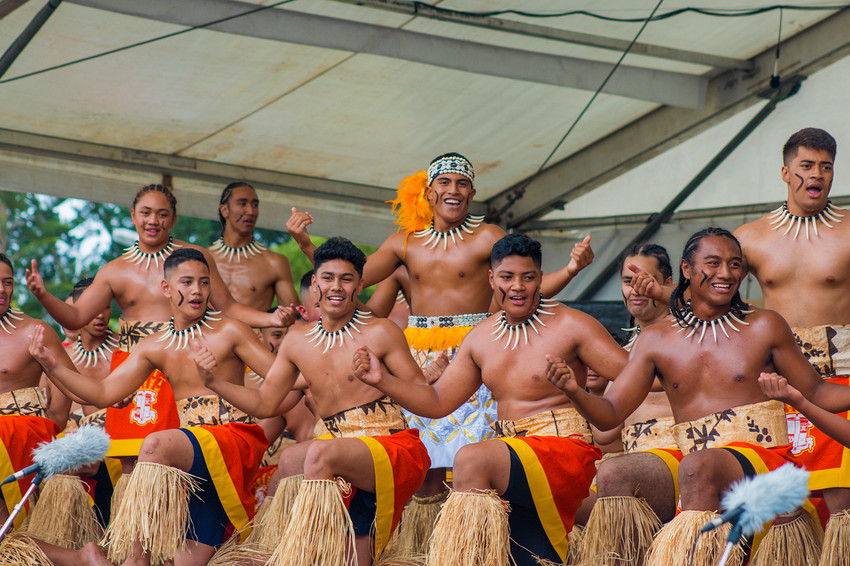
(451, 164)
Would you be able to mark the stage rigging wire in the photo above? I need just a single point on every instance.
(713, 12)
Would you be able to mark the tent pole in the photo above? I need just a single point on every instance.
(24, 38)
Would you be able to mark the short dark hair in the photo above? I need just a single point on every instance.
(181, 256)
(79, 287)
(516, 244)
(172, 200)
(339, 248)
(811, 138)
(225, 197)
(651, 250)
(306, 282)
(5, 259)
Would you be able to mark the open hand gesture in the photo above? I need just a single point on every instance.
(560, 375)
(39, 352)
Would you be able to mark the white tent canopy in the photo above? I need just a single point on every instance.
(326, 105)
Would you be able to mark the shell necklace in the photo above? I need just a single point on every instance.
(252, 248)
(337, 337)
(134, 254)
(436, 237)
(183, 336)
(514, 330)
(91, 356)
(691, 321)
(11, 314)
(781, 216)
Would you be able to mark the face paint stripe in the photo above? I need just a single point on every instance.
(801, 181)
(704, 277)
(182, 298)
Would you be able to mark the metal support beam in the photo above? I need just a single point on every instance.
(728, 93)
(656, 220)
(664, 87)
(421, 10)
(25, 36)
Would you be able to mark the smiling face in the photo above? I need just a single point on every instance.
(716, 272)
(153, 218)
(338, 284)
(809, 179)
(188, 289)
(450, 195)
(241, 210)
(516, 286)
(7, 287)
(644, 309)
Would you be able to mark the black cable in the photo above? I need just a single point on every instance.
(716, 12)
(774, 78)
(146, 42)
(520, 190)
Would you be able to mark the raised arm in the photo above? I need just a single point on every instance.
(457, 383)
(580, 257)
(102, 393)
(297, 228)
(93, 300)
(383, 298)
(284, 288)
(597, 349)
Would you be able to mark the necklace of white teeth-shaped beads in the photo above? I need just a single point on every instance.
(7, 318)
(513, 331)
(134, 254)
(691, 321)
(781, 216)
(183, 336)
(222, 249)
(337, 337)
(91, 356)
(436, 237)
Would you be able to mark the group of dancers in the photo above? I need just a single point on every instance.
(490, 425)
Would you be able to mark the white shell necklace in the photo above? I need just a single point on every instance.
(91, 357)
(781, 216)
(252, 248)
(514, 330)
(134, 254)
(11, 314)
(337, 337)
(183, 336)
(691, 321)
(437, 237)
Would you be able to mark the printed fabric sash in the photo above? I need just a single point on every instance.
(762, 424)
(563, 423)
(381, 417)
(29, 401)
(209, 410)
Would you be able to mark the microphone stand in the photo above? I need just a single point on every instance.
(731, 541)
(7, 526)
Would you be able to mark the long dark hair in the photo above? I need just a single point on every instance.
(677, 301)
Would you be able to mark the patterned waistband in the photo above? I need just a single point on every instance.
(209, 410)
(29, 401)
(763, 424)
(565, 423)
(98, 418)
(131, 331)
(826, 347)
(449, 321)
(381, 417)
(648, 435)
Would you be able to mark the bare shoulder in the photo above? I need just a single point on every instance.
(767, 320)
(277, 260)
(492, 231)
(752, 232)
